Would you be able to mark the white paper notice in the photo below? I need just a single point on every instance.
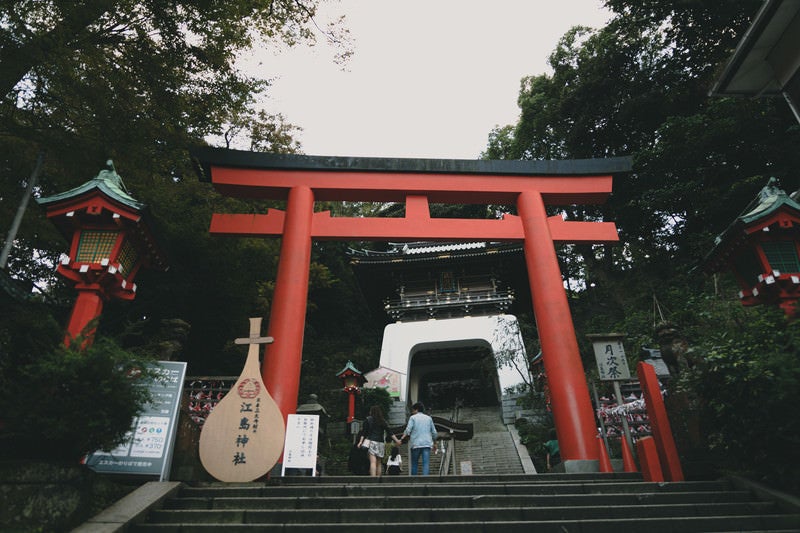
(300, 448)
(150, 436)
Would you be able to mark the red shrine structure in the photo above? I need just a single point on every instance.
(760, 247)
(352, 381)
(110, 241)
(530, 186)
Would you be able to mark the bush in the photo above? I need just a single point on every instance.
(533, 436)
(63, 403)
(745, 385)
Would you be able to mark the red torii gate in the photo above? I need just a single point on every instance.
(530, 185)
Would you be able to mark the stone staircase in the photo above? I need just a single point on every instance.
(561, 503)
(491, 449)
(497, 497)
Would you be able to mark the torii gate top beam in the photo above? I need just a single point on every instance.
(416, 182)
(271, 176)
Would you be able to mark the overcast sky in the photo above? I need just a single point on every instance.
(428, 78)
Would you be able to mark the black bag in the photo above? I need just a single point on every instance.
(358, 462)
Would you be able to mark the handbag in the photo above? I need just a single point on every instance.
(365, 431)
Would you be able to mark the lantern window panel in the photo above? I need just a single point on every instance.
(127, 257)
(748, 267)
(782, 255)
(95, 245)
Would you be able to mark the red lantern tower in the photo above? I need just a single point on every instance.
(110, 242)
(352, 380)
(760, 247)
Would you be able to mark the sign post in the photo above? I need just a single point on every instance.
(148, 448)
(242, 437)
(613, 366)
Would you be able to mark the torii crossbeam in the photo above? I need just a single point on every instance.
(529, 185)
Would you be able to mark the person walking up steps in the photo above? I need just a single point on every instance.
(421, 432)
(394, 465)
(372, 437)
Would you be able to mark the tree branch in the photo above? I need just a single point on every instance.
(18, 60)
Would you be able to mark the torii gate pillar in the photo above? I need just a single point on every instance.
(531, 185)
(572, 408)
(287, 319)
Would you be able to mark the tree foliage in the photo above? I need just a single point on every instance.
(747, 374)
(638, 87)
(57, 403)
(141, 82)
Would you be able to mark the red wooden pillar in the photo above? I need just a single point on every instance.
(88, 307)
(282, 359)
(648, 458)
(659, 422)
(572, 408)
(351, 406)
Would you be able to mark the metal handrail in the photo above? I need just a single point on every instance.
(444, 467)
(449, 451)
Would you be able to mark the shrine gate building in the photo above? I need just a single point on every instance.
(530, 186)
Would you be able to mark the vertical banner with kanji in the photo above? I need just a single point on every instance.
(148, 448)
(300, 448)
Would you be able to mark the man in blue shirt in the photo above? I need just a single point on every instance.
(422, 434)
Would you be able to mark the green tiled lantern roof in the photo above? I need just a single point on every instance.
(110, 186)
(107, 181)
(348, 367)
(769, 200)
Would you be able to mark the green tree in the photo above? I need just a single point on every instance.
(747, 374)
(638, 87)
(141, 82)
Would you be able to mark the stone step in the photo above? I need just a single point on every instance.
(555, 502)
(428, 514)
(690, 524)
(356, 489)
(464, 501)
(505, 479)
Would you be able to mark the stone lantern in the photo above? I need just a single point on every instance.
(110, 241)
(760, 247)
(352, 380)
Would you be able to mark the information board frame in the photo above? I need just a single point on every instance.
(148, 448)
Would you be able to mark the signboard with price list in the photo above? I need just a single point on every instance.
(148, 448)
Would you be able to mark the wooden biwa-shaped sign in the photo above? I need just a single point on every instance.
(243, 436)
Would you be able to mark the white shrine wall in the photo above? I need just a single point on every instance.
(501, 333)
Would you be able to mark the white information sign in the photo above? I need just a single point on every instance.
(300, 448)
(610, 356)
(150, 436)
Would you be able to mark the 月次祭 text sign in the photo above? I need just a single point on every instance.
(610, 355)
(148, 448)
